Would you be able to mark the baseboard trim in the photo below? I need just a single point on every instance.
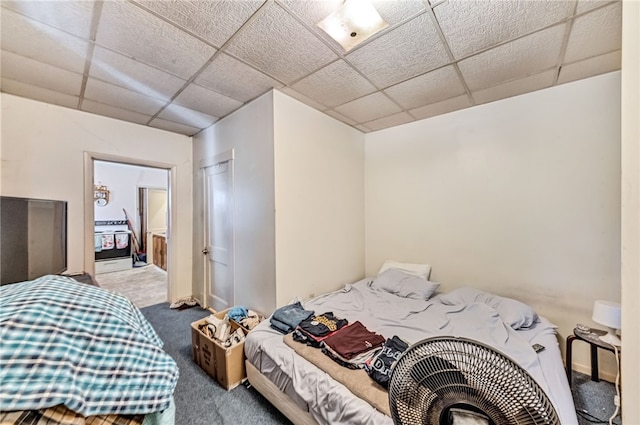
(604, 376)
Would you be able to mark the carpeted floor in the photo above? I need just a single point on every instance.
(144, 286)
(200, 400)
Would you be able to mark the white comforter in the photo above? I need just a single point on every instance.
(413, 320)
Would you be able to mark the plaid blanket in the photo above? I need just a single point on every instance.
(64, 342)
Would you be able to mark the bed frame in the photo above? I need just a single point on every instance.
(279, 399)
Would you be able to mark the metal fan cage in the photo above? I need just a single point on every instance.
(439, 374)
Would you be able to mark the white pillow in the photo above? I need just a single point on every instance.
(515, 313)
(421, 270)
(404, 285)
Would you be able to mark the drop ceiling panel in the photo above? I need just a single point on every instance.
(440, 108)
(525, 56)
(214, 21)
(174, 127)
(70, 16)
(37, 93)
(29, 71)
(278, 44)
(133, 75)
(516, 87)
(235, 79)
(369, 108)
(189, 117)
(586, 5)
(312, 12)
(432, 87)
(589, 67)
(206, 101)
(340, 117)
(390, 121)
(334, 84)
(43, 43)
(304, 99)
(595, 33)
(409, 50)
(119, 97)
(130, 30)
(494, 22)
(113, 112)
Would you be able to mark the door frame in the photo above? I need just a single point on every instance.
(89, 216)
(226, 156)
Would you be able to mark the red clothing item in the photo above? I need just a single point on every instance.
(353, 339)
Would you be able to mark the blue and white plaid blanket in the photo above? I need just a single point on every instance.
(63, 342)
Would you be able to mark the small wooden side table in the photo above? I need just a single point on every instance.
(592, 338)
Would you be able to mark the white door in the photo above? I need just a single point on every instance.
(219, 235)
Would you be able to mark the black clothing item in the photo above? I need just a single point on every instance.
(322, 325)
(380, 367)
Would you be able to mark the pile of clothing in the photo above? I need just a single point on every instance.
(220, 330)
(350, 345)
(245, 317)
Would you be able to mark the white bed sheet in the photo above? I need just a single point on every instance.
(329, 402)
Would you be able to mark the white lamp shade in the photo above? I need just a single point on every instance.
(607, 313)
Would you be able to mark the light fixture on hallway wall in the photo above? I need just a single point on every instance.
(607, 313)
(352, 23)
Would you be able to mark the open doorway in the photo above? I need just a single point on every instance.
(131, 211)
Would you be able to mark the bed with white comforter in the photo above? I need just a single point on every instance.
(388, 314)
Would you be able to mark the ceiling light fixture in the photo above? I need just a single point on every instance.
(353, 23)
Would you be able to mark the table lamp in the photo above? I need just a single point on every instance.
(607, 313)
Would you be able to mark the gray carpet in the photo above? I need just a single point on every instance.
(200, 400)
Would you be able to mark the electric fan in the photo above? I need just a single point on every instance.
(449, 380)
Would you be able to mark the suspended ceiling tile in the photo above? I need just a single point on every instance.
(71, 16)
(518, 58)
(472, 25)
(280, 46)
(174, 127)
(133, 75)
(312, 12)
(340, 117)
(363, 128)
(334, 84)
(440, 108)
(595, 33)
(40, 74)
(180, 114)
(432, 87)
(390, 121)
(302, 98)
(590, 67)
(214, 21)
(235, 79)
(409, 50)
(114, 112)
(206, 101)
(43, 43)
(515, 87)
(37, 93)
(119, 97)
(131, 31)
(368, 108)
(586, 5)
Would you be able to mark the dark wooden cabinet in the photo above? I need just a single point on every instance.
(160, 251)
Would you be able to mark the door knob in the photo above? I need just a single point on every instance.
(205, 251)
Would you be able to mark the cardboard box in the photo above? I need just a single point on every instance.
(225, 365)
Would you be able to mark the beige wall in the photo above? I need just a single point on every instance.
(630, 211)
(43, 156)
(249, 131)
(319, 186)
(520, 197)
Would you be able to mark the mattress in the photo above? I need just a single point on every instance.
(330, 402)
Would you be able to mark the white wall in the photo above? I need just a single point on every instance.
(43, 156)
(520, 197)
(122, 181)
(249, 131)
(319, 186)
(630, 211)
